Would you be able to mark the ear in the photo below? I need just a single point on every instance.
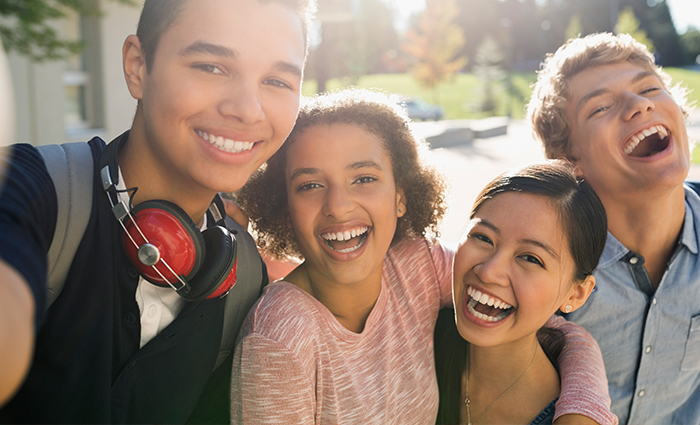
(134, 64)
(400, 202)
(579, 294)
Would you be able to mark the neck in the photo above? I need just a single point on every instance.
(350, 303)
(509, 383)
(141, 168)
(649, 225)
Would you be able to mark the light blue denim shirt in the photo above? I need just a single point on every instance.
(650, 340)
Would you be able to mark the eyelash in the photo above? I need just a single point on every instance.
(304, 187)
(278, 83)
(365, 179)
(209, 68)
(532, 259)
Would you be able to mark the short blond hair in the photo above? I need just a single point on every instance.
(547, 108)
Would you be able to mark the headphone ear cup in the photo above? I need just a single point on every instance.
(218, 272)
(178, 242)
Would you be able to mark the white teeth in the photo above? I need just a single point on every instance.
(226, 145)
(642, 134)
(346, 235)
(482, 298)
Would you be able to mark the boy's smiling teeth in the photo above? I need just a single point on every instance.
(346, 241)
(491, 309)
(637, 138)
(226, 145)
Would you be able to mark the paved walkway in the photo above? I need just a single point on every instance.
(471, 165)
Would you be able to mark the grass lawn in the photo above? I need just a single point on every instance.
(461, 97)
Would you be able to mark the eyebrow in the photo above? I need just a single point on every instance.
(354, 166)
(526, 241)
(638, 77)
(201, 47)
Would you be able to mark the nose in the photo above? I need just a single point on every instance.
(493, 269)
(243, 101)
(338, 202)
(637, 105)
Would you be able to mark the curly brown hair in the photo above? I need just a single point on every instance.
(547, 108)
(264, 197)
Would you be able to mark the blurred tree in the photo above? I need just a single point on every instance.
(655, 19)
(435, 45)
(574, 29)
(489, 61)
(26, 27)
(627, 23)
(691, 43)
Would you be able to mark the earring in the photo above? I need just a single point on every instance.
(400, 211)
(568, 309)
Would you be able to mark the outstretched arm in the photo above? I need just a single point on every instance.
(584, 385)
(16, 330)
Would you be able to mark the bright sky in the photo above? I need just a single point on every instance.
(683, 12)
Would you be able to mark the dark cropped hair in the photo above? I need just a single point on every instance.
(264, 197)
(158, 15)
(583, 219)
(580, 210)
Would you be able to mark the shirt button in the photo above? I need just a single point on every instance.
(653, 301)
(133, 272)
(130, 318)
(641, 393)
(634, 260)
(152, 310)
(648, 349)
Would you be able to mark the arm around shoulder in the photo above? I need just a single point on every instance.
(16, 330)
(584, 385)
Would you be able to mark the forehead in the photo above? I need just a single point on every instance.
(330, 145)
(241, 25)
(603, 78)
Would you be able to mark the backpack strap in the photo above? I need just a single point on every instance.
(71, 168)
(250, 280)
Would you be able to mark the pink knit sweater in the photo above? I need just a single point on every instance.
(295, 364)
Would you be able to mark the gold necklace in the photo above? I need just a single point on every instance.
(467, 401)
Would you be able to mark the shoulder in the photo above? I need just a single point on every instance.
(286, 314)
(420, 256)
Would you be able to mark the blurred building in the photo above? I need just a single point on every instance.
(82, 96)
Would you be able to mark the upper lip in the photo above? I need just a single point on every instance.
(639, 135)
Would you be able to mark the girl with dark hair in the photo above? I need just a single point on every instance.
(533, 242)
(347, 336)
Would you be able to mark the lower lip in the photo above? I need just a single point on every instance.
(229, 157)
(345, 256)
(470, 317)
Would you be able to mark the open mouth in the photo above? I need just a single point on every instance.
(648, 142)
(347, 240)
(486, 307)
(226, 145)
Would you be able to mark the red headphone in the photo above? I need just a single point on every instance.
(166, 246)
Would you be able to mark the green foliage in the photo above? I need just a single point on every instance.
(691, 43)
(435, 44)
(26, 26)
(627, 23)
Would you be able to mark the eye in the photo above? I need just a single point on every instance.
(277, 83)
(482, 238)
(650, 90)
(532, 259)
(305, 187)
(209, 68)
(599, 110)
(365, 179)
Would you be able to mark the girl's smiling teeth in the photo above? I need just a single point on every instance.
(655, 140)
(347, 240)
(226, 145)
(486, 307)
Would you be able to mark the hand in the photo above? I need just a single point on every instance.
(236, 213)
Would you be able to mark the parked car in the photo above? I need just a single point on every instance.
(419, 109)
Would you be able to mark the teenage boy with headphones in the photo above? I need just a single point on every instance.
(601, 102)
(218, 88)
